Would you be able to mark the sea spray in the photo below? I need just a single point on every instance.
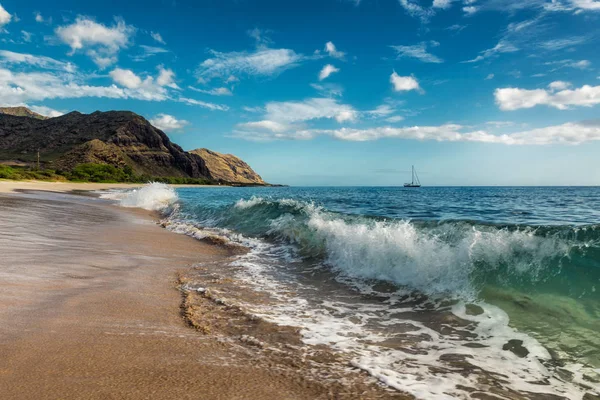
(153, 196)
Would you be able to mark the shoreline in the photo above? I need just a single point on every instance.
(8, 186)
(92, 306)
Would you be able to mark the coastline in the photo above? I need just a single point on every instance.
(93, 307)
(7, 186)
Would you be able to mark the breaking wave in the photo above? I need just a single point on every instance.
(154, 196)
(436, 258)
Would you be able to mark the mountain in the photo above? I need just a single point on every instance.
(21, 112)
(119, 138)
(228, 168)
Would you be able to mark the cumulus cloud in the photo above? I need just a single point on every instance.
(282, 119)
(262, 62)
(148, 88)
(327, 71)
(221, 91)
(102, 42)
(61, 81)
(403, 83)
(557, 95)
(5, 17)
(418, 51)
(310, 109)
(166, 77)
(333, 51)
(559, 85)
(126, 77)
(168, 123)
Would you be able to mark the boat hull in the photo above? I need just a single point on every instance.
(411, 185)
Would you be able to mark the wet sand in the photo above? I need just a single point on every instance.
(7, 186)
(91, 307)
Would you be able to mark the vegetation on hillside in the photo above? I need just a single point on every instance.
(101, 173)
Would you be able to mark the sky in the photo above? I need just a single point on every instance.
(330, 92)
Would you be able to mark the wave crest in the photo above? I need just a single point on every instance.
(153, 196)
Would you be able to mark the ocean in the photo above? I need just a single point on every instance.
(440, 292)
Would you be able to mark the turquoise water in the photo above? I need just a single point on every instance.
(413, 264)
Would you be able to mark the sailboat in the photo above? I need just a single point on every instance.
(415, 183)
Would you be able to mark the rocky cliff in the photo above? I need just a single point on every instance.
(117, 138)
(228, 168)
(21, 112)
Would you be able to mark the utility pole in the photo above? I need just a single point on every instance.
(38, 160)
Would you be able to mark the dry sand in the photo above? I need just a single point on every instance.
(90, 308)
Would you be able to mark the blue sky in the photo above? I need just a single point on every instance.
(331, 92)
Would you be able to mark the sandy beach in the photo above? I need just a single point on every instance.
(91, 307)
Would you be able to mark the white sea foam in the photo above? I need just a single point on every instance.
(253, 201)
(154, 196)
(432, 259)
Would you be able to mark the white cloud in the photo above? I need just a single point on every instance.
(46, 111)
(490, 76)
(267, 125)
(381, 111)
(327, 70)
(16, 88)
(5, 17)
(403, 83)
(333, 51)
(569, 134)
(126, 77)
(103, 43)
(581, 64)
(166, 77)
(147, 88)
(9, 57)
(310, 109)
(157, 36)
(148, 51)
(509, 99)
(444, 4)
(328, 89)
(262, 62)
(470, 10)
(261, 37)
(26, 36)
(287, 119)
(221, 91)
(501, 47)
(203, 104)
(559, 85)
(39, 18)
(559, 44)
(415, 10)
(418, 51)
(168, 123)
(26, 87)
(394, 119)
